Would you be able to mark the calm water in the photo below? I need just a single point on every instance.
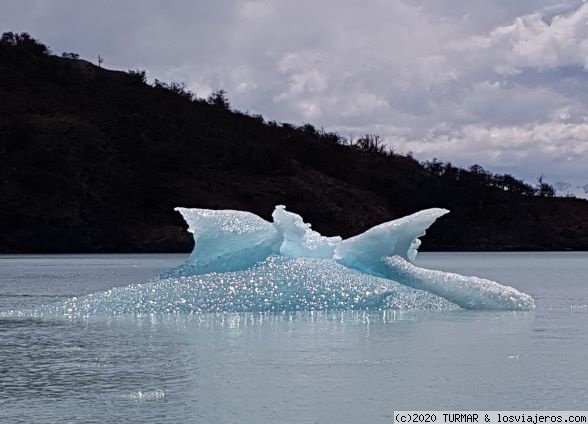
(294, 368)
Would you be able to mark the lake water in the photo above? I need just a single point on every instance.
(321, 367)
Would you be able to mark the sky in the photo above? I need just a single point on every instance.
(500, 83)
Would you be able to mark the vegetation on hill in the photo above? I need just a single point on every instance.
(95, 160)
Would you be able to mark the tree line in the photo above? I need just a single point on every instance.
(14, 44)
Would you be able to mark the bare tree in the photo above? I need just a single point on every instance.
(544, 189)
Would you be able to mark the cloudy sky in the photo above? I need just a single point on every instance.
(501, 83)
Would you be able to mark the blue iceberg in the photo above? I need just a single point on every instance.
(243, 263)
(234, 240)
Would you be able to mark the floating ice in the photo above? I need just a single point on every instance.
(242, 263)
(384, 251)
(228, 240)
(467, 292)
(298, 240)
(275, 284)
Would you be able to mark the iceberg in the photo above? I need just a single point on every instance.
(235, 241)
(227, 240)
(274, 285)
(243, 263)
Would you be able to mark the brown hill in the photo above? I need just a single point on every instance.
(94, 160)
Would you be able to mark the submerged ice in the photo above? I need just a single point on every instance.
(243, 263)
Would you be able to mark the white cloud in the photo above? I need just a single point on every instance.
(509, 147)
(533, 41)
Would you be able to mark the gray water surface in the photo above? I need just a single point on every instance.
(341, 367)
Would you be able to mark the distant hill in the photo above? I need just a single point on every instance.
(95, 160)
(567, 189)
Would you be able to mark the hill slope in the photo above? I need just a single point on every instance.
(95, 160)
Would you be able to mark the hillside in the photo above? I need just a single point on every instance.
(95, 160)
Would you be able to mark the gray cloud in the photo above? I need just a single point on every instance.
(494, 82)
